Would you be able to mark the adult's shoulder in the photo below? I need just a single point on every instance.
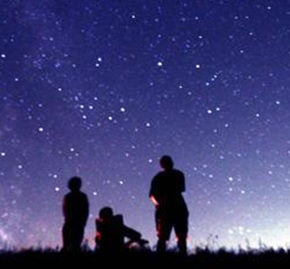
(119, 218)
(158, 175)
(179, 172)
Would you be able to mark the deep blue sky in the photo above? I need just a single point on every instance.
(102, 88)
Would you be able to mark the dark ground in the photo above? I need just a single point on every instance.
(145, 259)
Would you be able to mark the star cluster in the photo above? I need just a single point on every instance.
(102, 88)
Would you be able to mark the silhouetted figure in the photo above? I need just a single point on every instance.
(75, 211)
(112, 235)
(170, 207)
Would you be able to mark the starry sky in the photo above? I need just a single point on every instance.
(102, 88)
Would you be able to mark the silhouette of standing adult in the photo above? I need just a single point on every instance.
(75, 211)
(170, 207)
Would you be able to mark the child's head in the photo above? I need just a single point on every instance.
(75, 183)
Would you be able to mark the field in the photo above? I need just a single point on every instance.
(146, 259)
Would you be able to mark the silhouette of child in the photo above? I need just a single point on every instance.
(75, 209)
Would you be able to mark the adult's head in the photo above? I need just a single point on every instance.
(75, 183)
(166, 162)
(106, 213)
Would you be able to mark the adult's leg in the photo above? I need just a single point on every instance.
(181, 231)
(163, 227)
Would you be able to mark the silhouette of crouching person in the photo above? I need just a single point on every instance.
(112, 236)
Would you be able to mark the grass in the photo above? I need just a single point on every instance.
(201, 259)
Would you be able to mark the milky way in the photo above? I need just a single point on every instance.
(101, 89)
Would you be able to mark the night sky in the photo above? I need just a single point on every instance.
(101, 89)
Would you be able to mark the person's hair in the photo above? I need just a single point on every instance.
(75, 183)
(106, 212)
(166, 162)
